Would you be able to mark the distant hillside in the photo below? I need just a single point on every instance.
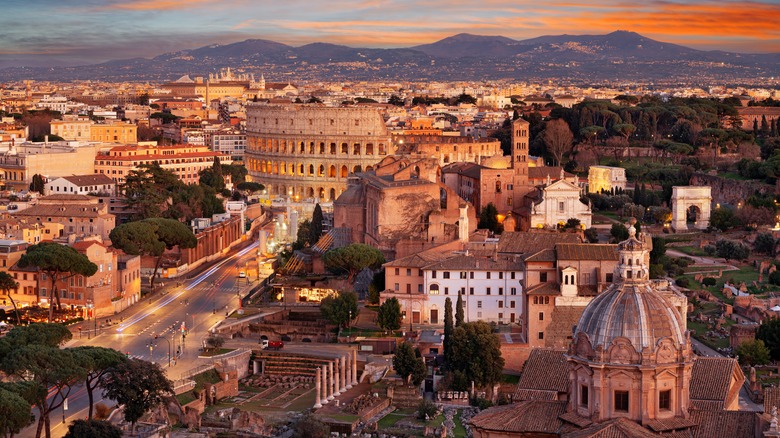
(619, 55)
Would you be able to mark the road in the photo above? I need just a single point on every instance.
(193, 308)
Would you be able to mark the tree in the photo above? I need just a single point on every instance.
(304, 233)
(573, 224)
(769, 332)
(315, 231)
(619, 232)
(395, 100)
(753, 352)
(93, 429)
(50, 373)
(376, 286)
(152, 237)
(8, 284)
(341, 309)
(250, 187)
(476, 353)
(55, 260)
(558, 138)
(213, 176)
(309, 426)
(731, 250)
(459, 311)
(658, 251)
(449, 329)
(14, 413)
(723, 218)
(389, 315)
(97, 361)
(149, 189)
(138, 385)
(408, 365)
(764, 243)
(592, 235)
(488, 219)
(37, 184)
(353, 259)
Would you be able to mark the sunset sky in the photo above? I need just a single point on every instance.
(71, 32)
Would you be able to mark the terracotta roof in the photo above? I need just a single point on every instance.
(616, 428)
(771, 398)
(668, 424)
(82, 245)
(63, 210)
(534, 394)
(89, 180)
(418, 260)
(563, 319)
(472, 170)
(469, 262)
(544, 289)
(731, 424)
(545, 370)
(711, 378)
(574, 418)
(66, 197)
(542, 172)
(529, 417)
(532, 241)
(545, 255)
(586, 251)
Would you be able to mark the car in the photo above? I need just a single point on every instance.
(242, 274)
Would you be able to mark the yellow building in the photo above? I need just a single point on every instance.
(114, 132)
(71, 128)
(52, 160)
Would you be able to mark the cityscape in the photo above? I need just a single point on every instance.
(388, 219)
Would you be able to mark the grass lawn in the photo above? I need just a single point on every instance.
(186, 397)
(732, 175)
(390, 419)
(690, 250)
(460, 431)
(701, 330)
(695, 269)
(211, 376)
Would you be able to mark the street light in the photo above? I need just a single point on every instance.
(64, 408)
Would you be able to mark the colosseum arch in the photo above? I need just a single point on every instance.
(344, 148)
(311, 170)
(370, 149)
(685, 198)
(322, 148)
(333, 148)
(303, 147)
(356, 149)
(344, 171)
(321, 170)
(332, 195)
(320, 192)
(357, 169)
(332, 172)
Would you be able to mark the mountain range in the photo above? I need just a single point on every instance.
(617, 56)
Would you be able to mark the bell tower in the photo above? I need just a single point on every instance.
(520, 134)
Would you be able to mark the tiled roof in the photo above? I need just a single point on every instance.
(65, 197)
(544, 289)
(586, 251)
(563, 319)
(469, 262)
(532, 242)
(89, 180)
(771, 398)
(711, 378)
(616, 428)
(545, 255)
(528, 417)
(574, 418)
(542, 172)
(472, 170)
(418, 260)
(63, 210)
(731, 424)
(534, 394)
(668, 424)
(545, 370)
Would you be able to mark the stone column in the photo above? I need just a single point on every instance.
(324, 389)
(317, 389)
(342, 375)
(331, 382)
(337, 377)
(354, 368)
(349, 370)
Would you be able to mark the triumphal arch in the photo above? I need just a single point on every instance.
(691, 203)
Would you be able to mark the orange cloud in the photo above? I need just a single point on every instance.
(154, 5)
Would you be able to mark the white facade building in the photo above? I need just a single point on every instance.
(229, 144)
(80, 185)
(606, 178)
(559, 201)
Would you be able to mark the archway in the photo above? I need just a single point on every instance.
(332, 194)
(686, 199)
(692, 214)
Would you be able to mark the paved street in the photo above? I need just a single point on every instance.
(195, 306)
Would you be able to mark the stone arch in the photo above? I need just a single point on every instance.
(320, 192)
(333, 148)
(322, 147)
(332, 194)
(344, 148)
(356, 149)
(370, 149)
(311, 170)
(344, 171)
(310, 192)
(303, 147)
(686, 197)
(332, 171)
(356, 169)
(321, 170)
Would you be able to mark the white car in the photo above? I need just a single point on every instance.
(242, 274)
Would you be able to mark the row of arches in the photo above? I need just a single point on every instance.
(319, 192)
(292, 169)
(277, 146)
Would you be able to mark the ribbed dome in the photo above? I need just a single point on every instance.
(632, 311)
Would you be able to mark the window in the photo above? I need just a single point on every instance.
(408, 272)
(446, 291)
(609, 278)
(512, 275)
(583, 395)
(540, 335)
(419, 288)
(488, 275)
(471, 275)
(621, 401)
(397, 287)
(462, 274)
(397, 271)
(500, 304)
(512, 304)
(433, 274)
(536, 300)
(500, 275)
(541, 316)
(479, 304)
(501, 291)
(543, 277)
(446, 274)
(561, 207)
(471, 291)
(665, 400)
(487, 291)
(513, 291)
(434, 290)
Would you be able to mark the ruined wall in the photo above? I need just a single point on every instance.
(730, 191)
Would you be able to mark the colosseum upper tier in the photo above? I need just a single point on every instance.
(307, 151)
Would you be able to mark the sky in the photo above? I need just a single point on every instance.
(78, 32)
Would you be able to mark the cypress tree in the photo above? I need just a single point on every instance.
(459, 311)
(448, 331)
(315, 230)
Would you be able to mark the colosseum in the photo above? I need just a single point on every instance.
(307, 151)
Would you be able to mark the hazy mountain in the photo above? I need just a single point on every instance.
(619, 55)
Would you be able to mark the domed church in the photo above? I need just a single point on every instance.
(630, 371)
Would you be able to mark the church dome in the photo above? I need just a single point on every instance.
(633, 311)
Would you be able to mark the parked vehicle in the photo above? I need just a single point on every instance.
(271, 345)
